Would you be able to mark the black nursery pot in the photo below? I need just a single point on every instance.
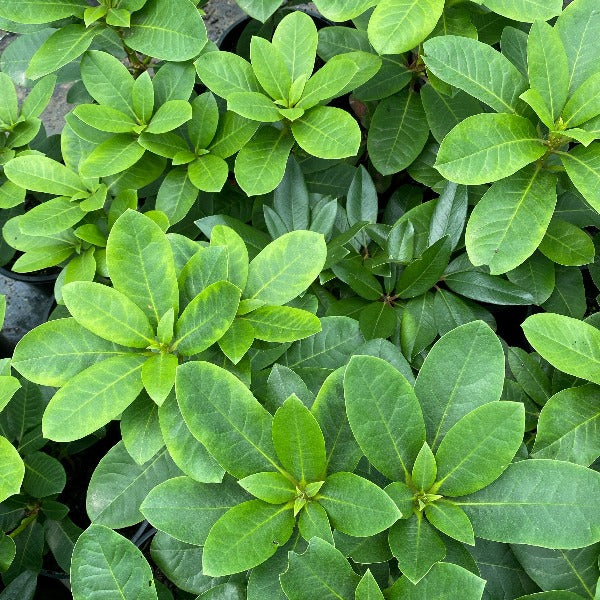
(27, 306)
(44, 279)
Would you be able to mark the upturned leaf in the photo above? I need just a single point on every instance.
(12, 470)
(296, 39)
(246, 536)
(299, 442)
(224, 415)
(384, 415)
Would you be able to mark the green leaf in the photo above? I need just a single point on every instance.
(8, 551)
(208, 173)
(314, 522)
(327, 132)
(296, 39)
(448, 389)
(205, 120)
(476, 450)
(254, 106)
(9, 108)
(142, 97)
(50, 217)
(328, 82)
(343, 10)
(12, 470)
(225, 73)
(53, 353)
(529, 375)
(477, 69)
(526, 10)
(286, 267)
(450, 519)
(82, 406)
(226, 418)
(186, 509)
(567, 244)
(112, 156)
(513, 510)
(158, 376)
(141, 266)
(368, 589)
(425, 468)
(547, 64)
(44, 475)
(206, 318)
(445, 580)
(186, 451)
(270, 487)
(172, 30)
(41, 11)
(42, 174)
(105, 118)
(511, 219)
(583, 168)
(384, 415)
(104, 560)
(270, 68)
(398, 132)
(578, 27)
(583, 105)
(140, 429)
(488, 147)
(417, 547)
(245, 536)
(568, 426)
(119, 485)
(356, 506)
(108, 313)
(260, 10)
(169, 116)
(63, 46)
(260, 165)
(449, 215)
(299, 442)
(108, 81)
(397, 26)
(422, 274)
(568, 344)
(282, 323)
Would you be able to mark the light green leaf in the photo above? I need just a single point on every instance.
(53, 353)
(93, 398)
(314, 522)
(261, 9)
(186, 509)
(158, 376)
(270, 68)
(245, 536)
(108, 313)
(12, 470)
(488, 147)
(567, 244)
(583, 168)
(398, 132)
(513, 510)
(142, 97)
(237, 254)
(205, 120)
(286, 267)
(270, 487)
(282, 323)
(448, 389)
(568, 426)
(299, 442)
(296, 39)
(208, 173)
(583, 105)
(254, 106)
(224, 415)
(343, 10)
(260, 165)
(140, 429)
(445, 580)
(41, 11)
(397, 26)
(511, 219)
(169, 116)
(105, 118)
(41, 174)
(425, 468)
(119, 485)
(450, 519)
(417, 547)
(9, 106)
(476, 450)
(384, 414)
(526, 10)
(368, 589)
(104, 560)
(50, 217)
(477, 69)
(141, 266)
(566, 343)
(224, 73)
(112, 156)
(356, 506)
(172, 30)
(328, 81)
(63, 46)
(327, 132)
(323, 570)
